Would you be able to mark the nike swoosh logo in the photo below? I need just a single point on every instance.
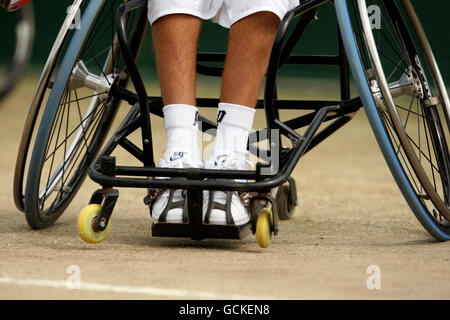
(177, 156)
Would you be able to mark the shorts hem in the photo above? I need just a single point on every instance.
(279, 13)
(154, 17)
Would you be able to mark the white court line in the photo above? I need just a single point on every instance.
(160, 292)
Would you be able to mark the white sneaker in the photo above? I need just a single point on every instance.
(215, 210)
(169, 204)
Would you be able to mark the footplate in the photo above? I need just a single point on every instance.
(171, 230)
(195, 229)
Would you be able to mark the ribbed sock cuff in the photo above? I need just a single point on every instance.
(237, 116)
(180, 116)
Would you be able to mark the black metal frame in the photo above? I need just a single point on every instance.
(339, 112)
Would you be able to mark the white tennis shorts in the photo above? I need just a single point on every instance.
(223, 12)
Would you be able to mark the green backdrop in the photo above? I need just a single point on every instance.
(320, 38)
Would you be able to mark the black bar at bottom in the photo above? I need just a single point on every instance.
(171, 230)
(195, 208)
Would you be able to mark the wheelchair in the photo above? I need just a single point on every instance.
(85, 80)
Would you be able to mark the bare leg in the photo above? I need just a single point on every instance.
(175, 39)
(175, 43)
(248, 55)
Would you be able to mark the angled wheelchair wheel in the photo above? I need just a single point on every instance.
(18, 49)
(78, 112)
(412, 104)
(40, 98)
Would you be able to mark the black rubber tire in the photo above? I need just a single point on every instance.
(286, 203)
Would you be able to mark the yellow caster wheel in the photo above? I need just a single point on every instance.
(263, 228)
(85, 225)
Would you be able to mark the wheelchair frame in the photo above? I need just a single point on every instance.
(268, 192)
(105, 171)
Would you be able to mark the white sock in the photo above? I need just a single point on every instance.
(234, 125)
(181, 123)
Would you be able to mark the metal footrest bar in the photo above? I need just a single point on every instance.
(206, 179)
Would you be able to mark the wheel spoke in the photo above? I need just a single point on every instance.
(74, 130)
(399, 152)
(47, 185)
(411, 112)
(421, 152)
(79, 152)
(429, 152)
(399, 42)
(96, 121)
(80, 116)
